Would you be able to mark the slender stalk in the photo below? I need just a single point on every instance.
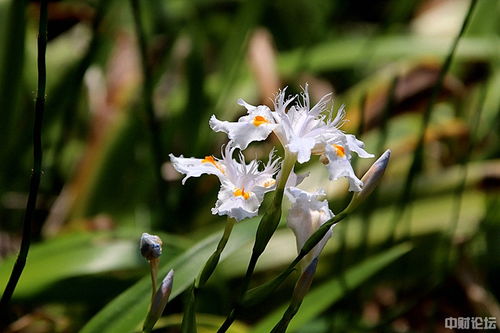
(259, 293)
(270, 220)
(37, 163)
(147, 95)
(459, 191)
(416, 165)
(189, 318)
(265, 230)
(301, 288)
(153, 263)
(212, 262)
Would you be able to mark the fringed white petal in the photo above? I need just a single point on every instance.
(195, 167)
(302, 146)
(340, 166)
(236, 206)
(357, 146)
(256, 126)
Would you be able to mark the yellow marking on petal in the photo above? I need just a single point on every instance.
(339, 150)
(259, 120)
(269, 183)
(208, 159)
(241, 192)
(211, 160)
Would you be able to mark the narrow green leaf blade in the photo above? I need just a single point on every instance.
(325, 295)
(126, 312)
(75, 255)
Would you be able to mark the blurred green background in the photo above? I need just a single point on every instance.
(120, 99)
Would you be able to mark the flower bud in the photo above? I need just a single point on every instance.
(370, 180)
(150, 246)
(304, 282)
(159, 302)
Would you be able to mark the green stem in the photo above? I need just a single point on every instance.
(301, 288)
(417, 161)
(259, 293)
(154, 275)
(189, 318)
(212, 262)
(270, 220)
(37, 163)
(265, 230)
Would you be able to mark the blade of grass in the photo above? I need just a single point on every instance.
(65, 94)
(11, 70)
(53, 260)
(232, 58)
(126, 312)
(457, 204)
(331, 291)
(416, 165)
(385, 48)
(152, 121)
(11, 67)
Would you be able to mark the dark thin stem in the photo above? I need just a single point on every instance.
(147, 95)
(417, 161)
(37, 163)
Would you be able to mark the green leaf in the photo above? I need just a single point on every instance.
(78, 254)
(128, 310)
(325, 295)
(343, 53)
(207, 323)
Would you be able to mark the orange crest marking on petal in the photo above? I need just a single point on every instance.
(208, 159)
(241, 192)
(259, 120)
(269, 183)
(211, 160)
(339, 150)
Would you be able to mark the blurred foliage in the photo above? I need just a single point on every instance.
(100, 187)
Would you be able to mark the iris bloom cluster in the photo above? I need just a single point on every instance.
(303, 130)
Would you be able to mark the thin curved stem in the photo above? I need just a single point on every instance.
(37, 163)
(189, 318)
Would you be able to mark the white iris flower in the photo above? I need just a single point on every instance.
(242, 185)
(302, 130)
(255, 126)
(307, 213)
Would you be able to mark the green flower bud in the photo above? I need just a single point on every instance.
(370, 180)
(159, 302)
